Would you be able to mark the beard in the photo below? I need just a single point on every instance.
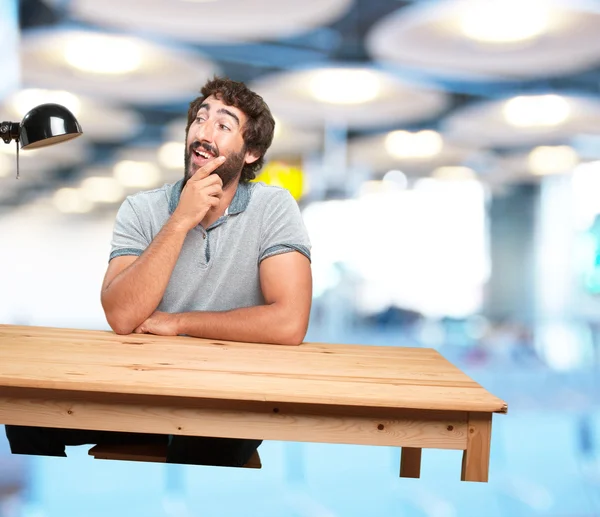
(228, 172)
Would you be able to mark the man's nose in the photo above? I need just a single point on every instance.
(204, 132)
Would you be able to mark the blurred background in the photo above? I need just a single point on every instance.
(446, 158)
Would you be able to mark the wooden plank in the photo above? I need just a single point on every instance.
(443, 430)
(476, 457)
(190, 367)
(410, 462)
(239, 387)
(329, 360)
(148, 452)
(101, 336)
(205, 358)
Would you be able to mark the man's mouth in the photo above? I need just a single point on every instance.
(201, 156)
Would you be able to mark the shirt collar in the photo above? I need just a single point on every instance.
(239, 203)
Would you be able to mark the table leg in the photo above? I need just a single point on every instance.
(476, 458)
(410, 462)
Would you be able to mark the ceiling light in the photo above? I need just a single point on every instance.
(71, 201)
(100, 54)
(536, 111)
(25, 100)
(454, 173)
(419, 145)
(171, 155)
(102, 190)
(545, 160)
(344, 86)
(506, 21)
(130, 173)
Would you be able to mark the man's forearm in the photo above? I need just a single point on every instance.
(272, 324)
(135, 293)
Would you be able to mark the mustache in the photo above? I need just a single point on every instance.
(206, 146)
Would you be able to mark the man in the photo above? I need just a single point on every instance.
(210, 256)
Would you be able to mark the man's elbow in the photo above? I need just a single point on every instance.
(293, 333)
(117, 320)
(119, 325)
(121, 330)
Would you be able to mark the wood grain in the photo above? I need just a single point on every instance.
(408, 428)
(476, 457)
(313, 373)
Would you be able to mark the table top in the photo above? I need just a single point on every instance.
(312, 373)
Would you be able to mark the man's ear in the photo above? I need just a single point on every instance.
(251, 157)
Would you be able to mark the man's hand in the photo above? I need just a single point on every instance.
(159, 323)
(201, 193)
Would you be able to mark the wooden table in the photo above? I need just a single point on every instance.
(404, 397)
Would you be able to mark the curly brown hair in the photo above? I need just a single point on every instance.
(258, 130)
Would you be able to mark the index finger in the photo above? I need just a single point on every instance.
(205, 170)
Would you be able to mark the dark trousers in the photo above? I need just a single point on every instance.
(190, 450)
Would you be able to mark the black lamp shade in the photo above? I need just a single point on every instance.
(48, 124)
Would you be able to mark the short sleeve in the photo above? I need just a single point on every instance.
(282, 228)
(128, 235)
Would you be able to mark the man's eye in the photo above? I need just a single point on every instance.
(224, 127)
(200, 119)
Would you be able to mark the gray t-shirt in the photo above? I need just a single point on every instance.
(218, 268)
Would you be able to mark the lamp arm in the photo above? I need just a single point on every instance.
(9, 131)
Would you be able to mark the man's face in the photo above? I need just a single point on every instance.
(216, 131)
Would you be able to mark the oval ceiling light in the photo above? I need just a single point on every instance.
(236, 21)
(352, 96)
(536, 111)
(414, 153)
(172, 155)
(113, 68)
(102, 189)
(454, 173)
(545, 160)
(130, 173)
(103, 54)
(71, 201)
(507, 21)
(523, 121)
(419, 145)
(344, 86)
(482, 40)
